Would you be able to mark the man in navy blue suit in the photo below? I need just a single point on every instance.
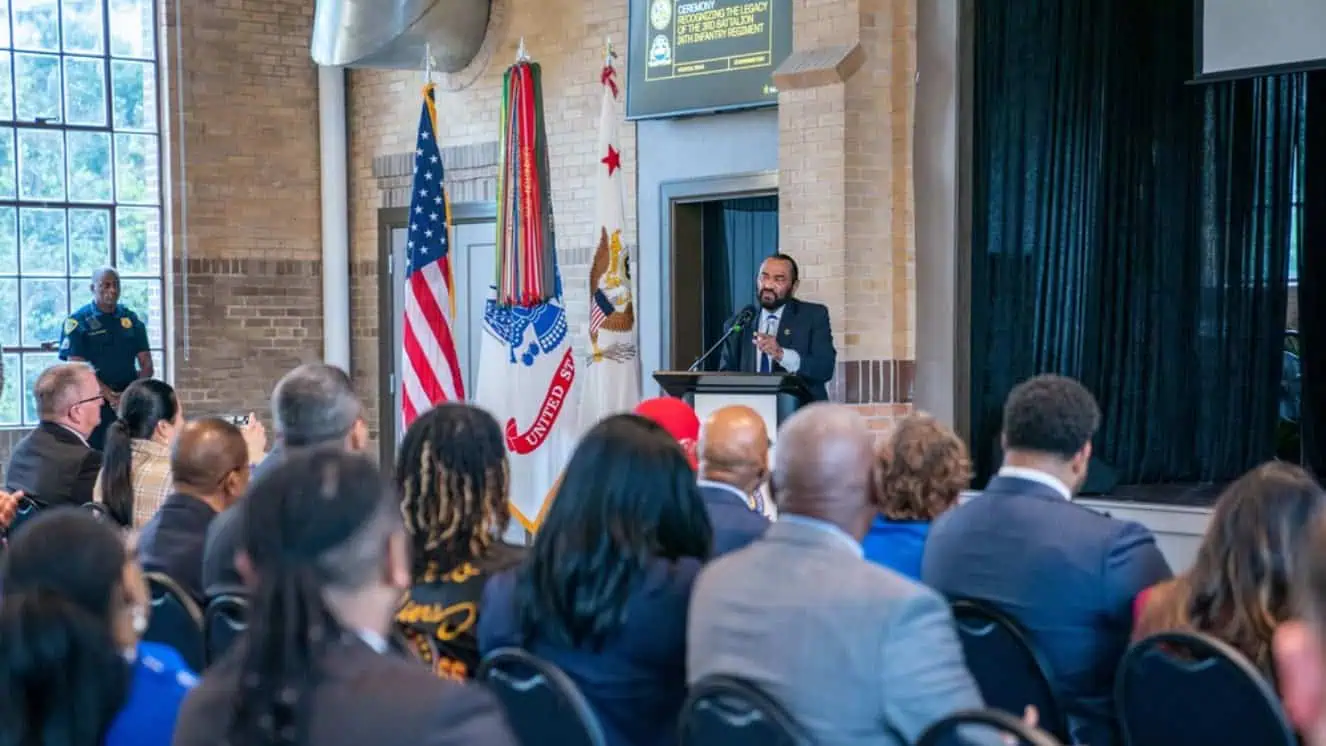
(1066, 573)
(734, 463)
(786, 335)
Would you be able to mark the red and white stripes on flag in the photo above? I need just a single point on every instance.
(431, 367)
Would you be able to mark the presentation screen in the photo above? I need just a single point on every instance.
(699, 56)
(1241, 38)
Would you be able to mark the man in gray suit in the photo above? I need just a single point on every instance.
(854, 652)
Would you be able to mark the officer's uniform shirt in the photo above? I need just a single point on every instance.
(110, 342)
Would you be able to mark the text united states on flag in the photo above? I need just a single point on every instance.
(431, 368)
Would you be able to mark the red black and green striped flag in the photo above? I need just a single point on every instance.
(527, 256)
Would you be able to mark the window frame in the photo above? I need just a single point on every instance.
(155, 74)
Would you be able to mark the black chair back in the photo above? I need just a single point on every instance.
(1184, 689)
(945, 731)
(176, 621)
(1009, 670)
(542, 704)
(98, 511)
(725, 711)
(225, 619)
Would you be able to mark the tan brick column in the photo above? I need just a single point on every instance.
(845, 98)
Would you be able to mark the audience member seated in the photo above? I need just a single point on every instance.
(135, 470)
(313, 405)
(677, 418)
(854, 653)
(1238, 589)
(452, 474)
(734, 464)
(604, 592)
(1064, 572)
(330, 558)
(210, 461)
(921, 470)
(1299, 648)
(53, 464)
(72, 662)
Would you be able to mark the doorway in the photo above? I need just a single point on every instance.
(474, 267)
(717, 231)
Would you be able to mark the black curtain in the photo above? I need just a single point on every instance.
(1312, 278)
(1129, 230)
(738, 234)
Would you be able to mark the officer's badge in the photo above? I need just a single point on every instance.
(126, 323)
(70, 325)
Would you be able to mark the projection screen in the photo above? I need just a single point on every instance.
(1237, 38)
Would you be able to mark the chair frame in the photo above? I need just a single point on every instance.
(190, 606)
(492, 665)
(714, 686)
(1213, 646)
(210, 617)
(934, 735)
(1058, 728)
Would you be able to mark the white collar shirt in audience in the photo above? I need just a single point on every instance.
(842, 536)
(373, 640)
(759, 502)
(1040, 477)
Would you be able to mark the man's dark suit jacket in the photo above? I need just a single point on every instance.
(363, 697)
(735, 524)
(172, 542)
(804, 327)
(53, 466)
(1066, 573)
(224, 536)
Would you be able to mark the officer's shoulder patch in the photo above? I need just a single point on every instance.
(70, 324)
(126, 322)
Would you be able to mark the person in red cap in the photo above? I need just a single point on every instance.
(677, 417)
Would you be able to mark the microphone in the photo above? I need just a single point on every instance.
(746, 316)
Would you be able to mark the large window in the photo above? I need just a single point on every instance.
(80, 175)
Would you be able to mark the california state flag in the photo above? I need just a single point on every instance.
(527, 371)
(612, 377)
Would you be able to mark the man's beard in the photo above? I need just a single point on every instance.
(771, 305)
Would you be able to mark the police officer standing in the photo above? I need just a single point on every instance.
(110, 338)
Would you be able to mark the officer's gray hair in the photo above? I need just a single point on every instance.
(313, 404)
(97, 275)
(57, 388)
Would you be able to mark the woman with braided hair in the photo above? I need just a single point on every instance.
(327, 558)
(452, 475)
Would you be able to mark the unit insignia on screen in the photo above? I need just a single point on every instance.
(705, 55)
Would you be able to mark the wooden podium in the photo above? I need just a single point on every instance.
(774, 395)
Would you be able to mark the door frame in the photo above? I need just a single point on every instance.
(390, 219)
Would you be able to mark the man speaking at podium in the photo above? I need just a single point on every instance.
(782, 334)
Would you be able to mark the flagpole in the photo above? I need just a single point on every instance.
(521, 54)
(428, 63)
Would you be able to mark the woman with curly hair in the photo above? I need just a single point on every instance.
(921, 469)
(1238, 589)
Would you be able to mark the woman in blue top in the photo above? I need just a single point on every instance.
(72, 668)
(923, 468)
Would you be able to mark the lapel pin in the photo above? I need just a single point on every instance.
(786, 332)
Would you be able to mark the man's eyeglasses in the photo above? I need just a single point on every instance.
(89, 400)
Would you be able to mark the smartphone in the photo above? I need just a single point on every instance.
(238, 420)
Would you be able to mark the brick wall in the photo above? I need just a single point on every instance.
(251, 137)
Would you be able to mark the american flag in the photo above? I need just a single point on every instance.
(599, 309)
(432, 370)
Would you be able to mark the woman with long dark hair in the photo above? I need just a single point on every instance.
(604, 591)
(1238, 589)
(72, 669)
(135, 474)
(322, 534)
(453, 478)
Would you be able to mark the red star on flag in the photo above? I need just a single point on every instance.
(613, 160)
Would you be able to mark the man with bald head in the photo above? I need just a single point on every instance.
(111, 338)
(210, 463)
(855, 653)
(734, 462)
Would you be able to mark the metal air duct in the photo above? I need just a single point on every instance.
(393, 34)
